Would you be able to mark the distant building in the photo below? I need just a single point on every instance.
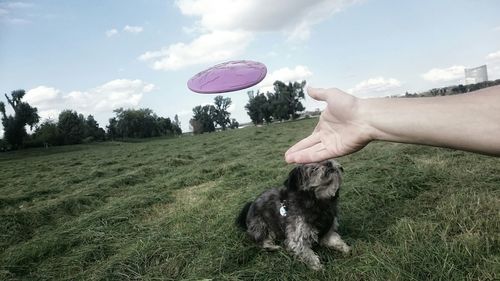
(476, 75)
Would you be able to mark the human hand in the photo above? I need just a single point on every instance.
(340, 130)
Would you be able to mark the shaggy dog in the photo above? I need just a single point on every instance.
(302, 213)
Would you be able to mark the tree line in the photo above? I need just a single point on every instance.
(452, 90)
(141, 123)
(70, 128)
(282, 104)
(74, 128)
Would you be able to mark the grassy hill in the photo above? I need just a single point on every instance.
(164, 210)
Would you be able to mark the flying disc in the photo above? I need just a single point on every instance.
(227, 77)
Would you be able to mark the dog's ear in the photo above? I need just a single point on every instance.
(294, 179)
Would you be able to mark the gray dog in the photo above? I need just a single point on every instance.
(301, 213)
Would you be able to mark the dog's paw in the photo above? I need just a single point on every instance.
(271, 247)
(317, 266)
(345, 249)
(314, 263)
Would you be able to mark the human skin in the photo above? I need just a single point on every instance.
(469, 122)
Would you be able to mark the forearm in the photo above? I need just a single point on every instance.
(468, 122)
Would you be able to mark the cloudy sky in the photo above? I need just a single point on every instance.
(95, 56)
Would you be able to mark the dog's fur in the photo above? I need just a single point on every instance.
(309, 198)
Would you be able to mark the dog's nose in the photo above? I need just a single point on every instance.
(329, 164)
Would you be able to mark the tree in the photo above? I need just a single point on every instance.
(278, 107)
(175, 126)
(281, 105)
(92, 131)
(203, 119)
(72, 126)
(48, 133)
(164, 127)
(290, 96)
(112, 128)
(177, 123)
(221, 115)
(267, 109)
(24, 114)
(234, 124)
(256, 108)
(460, 89)
(133, 123)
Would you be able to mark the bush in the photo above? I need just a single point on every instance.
(88, 140)
(4, 145)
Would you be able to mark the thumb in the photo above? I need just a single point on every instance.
(318, 94)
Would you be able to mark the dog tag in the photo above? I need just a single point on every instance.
(282, 210)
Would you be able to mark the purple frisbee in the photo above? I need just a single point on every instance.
(227, 77)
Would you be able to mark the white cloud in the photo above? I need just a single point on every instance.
(127, 28)
(375, 87)
(210, 47)
(494, 55)
(133, 29)
(285, 74)
(47, 100)
(49, 114)
(111, 32)
(17, 21)
(42, 96)
(191, 30)
(494, 72)
(114, 94)
(9, 8)
(494, 65)
(17, 5)
(105, 98)
(451, 73)
(291, 16)
(234, 23)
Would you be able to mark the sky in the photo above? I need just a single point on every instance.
(96, 56)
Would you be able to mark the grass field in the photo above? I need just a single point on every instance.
(164, 210)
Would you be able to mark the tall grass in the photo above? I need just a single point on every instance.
(164, 210)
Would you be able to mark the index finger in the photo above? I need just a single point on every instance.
(315, 153)
(303, 144)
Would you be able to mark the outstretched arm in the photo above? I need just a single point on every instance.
(468, 122)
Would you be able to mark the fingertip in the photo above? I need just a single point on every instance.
(309, 156)
(310, 89)
(296, 158)
(288, 158)
(316, 93)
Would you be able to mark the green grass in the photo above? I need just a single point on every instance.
(164, 210)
